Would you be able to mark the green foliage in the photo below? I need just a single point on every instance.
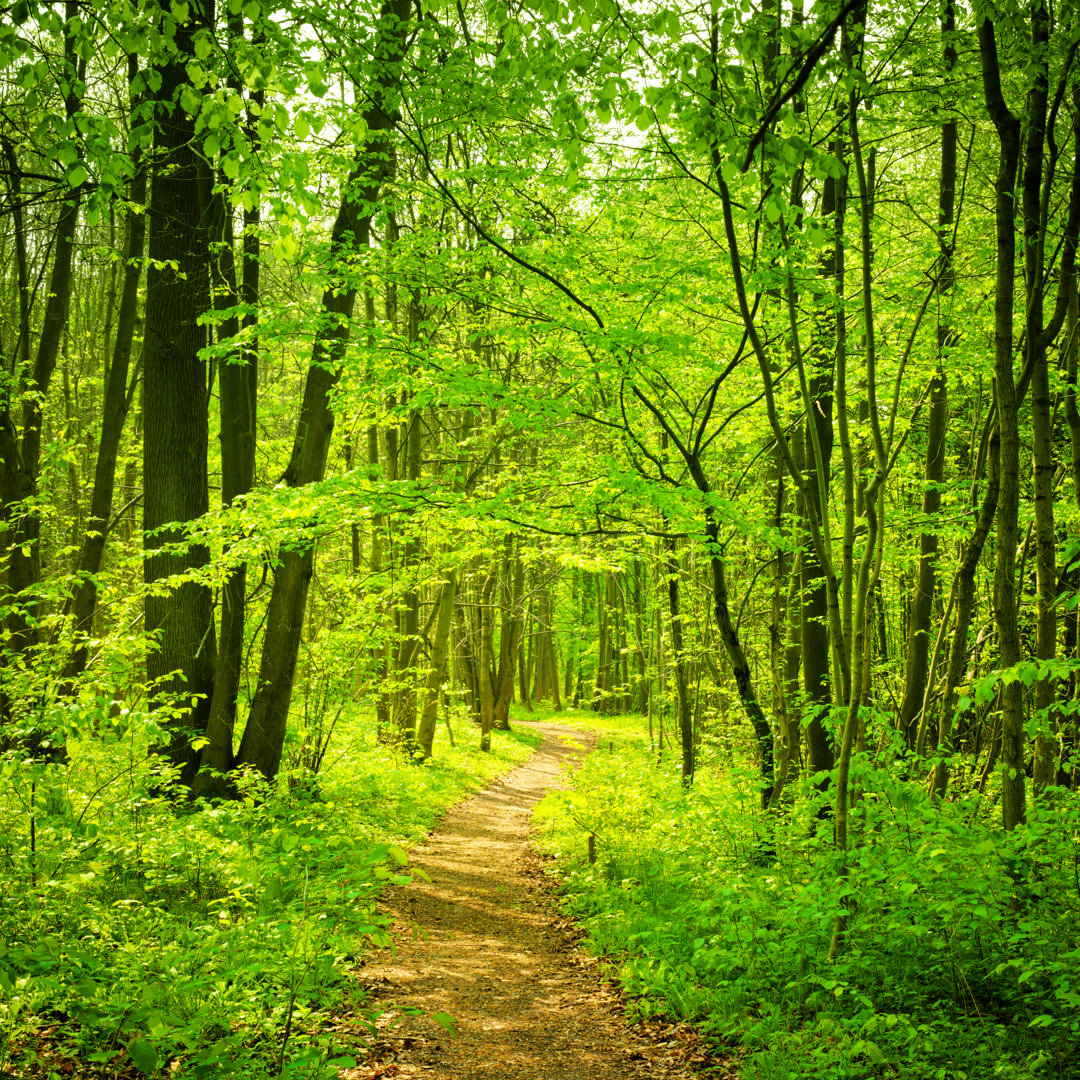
(208, 939)
(962, 941)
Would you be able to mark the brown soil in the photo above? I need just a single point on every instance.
(483, 942)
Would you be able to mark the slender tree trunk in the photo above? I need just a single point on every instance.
(115, 407)
(523, 679)
(264, 733)
(1042, 404)
(409, 607)
(20, 459)
(553, 668)
(1071, 732)
(922, 604)
(439, 649)
(512, 622)
(682, 698)
(237, 391)
(603, 648)
(1005, 611)
(965, 608)
(486, 660)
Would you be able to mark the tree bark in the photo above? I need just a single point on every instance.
(20, 458)
(115, 407)
(425, 735)
(237, 389)
(922, 603)
(264, 732)
(678, 656)
(1005, 613)
(175, 415)
(486, 660)
(512, 592)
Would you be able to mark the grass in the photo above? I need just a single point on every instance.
(961, 956)
(143, 936)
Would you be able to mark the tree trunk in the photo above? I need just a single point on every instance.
(512, 592)
(115, 407)
(175, 414)
(439, 647)
(20, 459)
(922, 604)
(1005, 613)
(965, 608)
(486, 660)
(238, 389)
(682, 699)
(264, 733)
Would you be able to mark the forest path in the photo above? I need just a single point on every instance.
(483, 943)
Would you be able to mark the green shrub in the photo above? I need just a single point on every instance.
(200, 940)
(962, 945)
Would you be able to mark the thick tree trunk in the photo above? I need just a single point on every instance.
(175, 417)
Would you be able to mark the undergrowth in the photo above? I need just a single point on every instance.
(962, 960)
(141, 934)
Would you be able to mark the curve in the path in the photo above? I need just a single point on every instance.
(482, 944)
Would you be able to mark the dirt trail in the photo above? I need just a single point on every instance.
(527, 1005)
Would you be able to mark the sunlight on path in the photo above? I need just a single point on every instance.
(480, 942)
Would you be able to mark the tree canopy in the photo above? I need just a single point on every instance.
(711, 361)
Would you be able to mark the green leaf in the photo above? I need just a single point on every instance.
(76, 176)
(397, 854)
(190, 102)
(143, 1056)
(445, 1021)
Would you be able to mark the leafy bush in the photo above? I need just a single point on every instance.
(200, 940)
(962, 944)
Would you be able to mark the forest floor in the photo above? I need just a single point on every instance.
(484, 943)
